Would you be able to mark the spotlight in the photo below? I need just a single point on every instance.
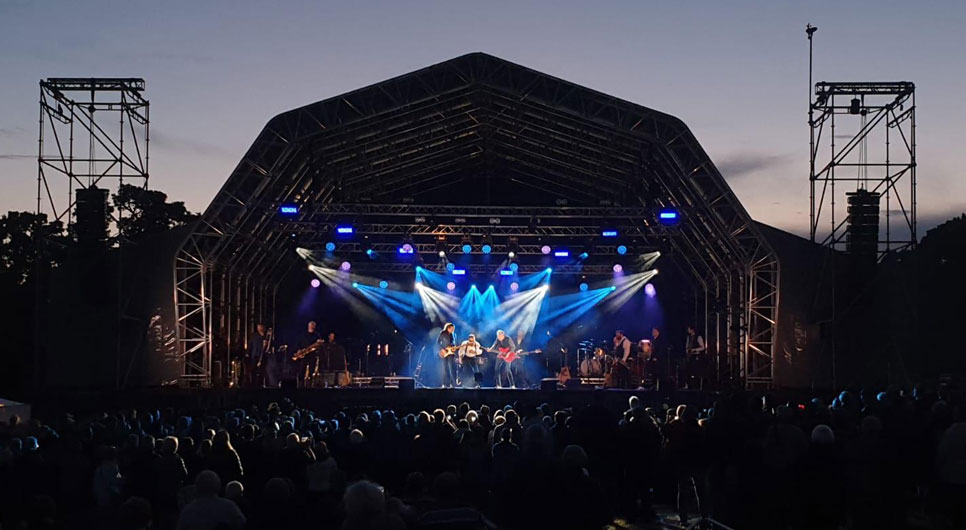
(608, 233)
(467, 248)
(622, 249)
(561, 253)
(650, 291)
(514, 266)
(442, 253)
(450, 266)
(489, 287)
(451, 286)
(511, 254)
(584, 255)
(344, 229)
(473, 286)
(459, 272)
(345, 266)
(419, 269)
(406, 248)
(545, 249)
(487, 243)
(618, 267)
(330, 247)
(355, 284)
(383, 284)
(486, 249)
(613, 287)
(288, 210)
(514, 286)
(506, 272)
(548, 270)
(583, 286)
(370, 252)
(315, 283)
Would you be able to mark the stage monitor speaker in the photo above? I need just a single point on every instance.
(407, 383)
(377, 382)
(573, 382)
(548, 383)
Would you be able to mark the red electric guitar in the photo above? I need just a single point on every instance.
(509, 355)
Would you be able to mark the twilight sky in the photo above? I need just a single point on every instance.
(735, 72)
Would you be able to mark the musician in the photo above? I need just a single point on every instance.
(470, 352)
(503, 344)
(310, 361)
(622, 346)
(446, 339)
(694, 349)
(335, 359)
(259, 348)
(593, 366)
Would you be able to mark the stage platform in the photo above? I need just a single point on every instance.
(329, 400)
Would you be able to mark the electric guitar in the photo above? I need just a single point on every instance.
(448, 351)
(508, 355)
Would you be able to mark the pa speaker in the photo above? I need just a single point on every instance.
(407, 383)
(548, 383)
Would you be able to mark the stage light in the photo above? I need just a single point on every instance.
(450, 266)
(489, 287)
(583, 286)
(473, 286)
(344, 229)
(451, 286)
(545, 249)
(330, 247)
(467, 248)
(442, 253)
(650, 291)
(548, 270)
(370, 252)
(561, 253)
(419, 269)
(608, 233)
(486, 249)
(584, 255)
(288, 209)
(315, 283)
(668, 216)
(506, 272)
(613, 287)
(459, 272)
(345, 266)
(383, 284)
(622, 249)
(514, 266)
(406, 248)
(514, 286)
(511, 254)
(618, 267)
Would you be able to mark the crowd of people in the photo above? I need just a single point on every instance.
(891, 459)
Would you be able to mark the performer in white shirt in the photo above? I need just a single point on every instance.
(470, 353)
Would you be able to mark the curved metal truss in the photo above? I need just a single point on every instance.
(543, 157)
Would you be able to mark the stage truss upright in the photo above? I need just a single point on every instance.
(94, 132)
(863, 139)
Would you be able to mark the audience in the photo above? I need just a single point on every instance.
(863, 460)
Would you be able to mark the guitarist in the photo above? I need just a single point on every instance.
(505, 347)
(470, 352)
(444, 343)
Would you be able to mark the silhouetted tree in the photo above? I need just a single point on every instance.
(146, 212)
(25, 238)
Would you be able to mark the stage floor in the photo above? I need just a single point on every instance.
(329, 400)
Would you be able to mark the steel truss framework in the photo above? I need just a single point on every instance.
(844, 120)
(93, 132)
(371, 156)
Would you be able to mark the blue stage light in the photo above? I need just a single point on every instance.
(561, 253)
(613, 287)
(406, 248)
(459, 272)
(288, 209)
(419, 269)
(506, 272)
(669, 216)
(514, 266)
(489, 288)
(450, 266)
(609, 233)
(383, 284)
(355, 284)
(548, 270)
(370, 252)
(330, 246)
(583, 286)
(486, 249)
(473, 286)
(344, 229)
(622, 249)
(467, 248)
(584, 255)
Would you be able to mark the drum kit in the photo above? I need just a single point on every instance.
(596, 361)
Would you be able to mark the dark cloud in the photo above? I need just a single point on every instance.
(743, 164)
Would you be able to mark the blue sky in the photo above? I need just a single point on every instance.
(735, 72)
